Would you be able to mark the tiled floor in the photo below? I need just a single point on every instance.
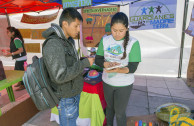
(148, 93)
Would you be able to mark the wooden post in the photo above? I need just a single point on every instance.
(190, 70)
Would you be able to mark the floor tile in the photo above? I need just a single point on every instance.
(154, 78)
(177, 85)
(156, 83)
(140, 77)
(140, 88)
(173, 79)
(187, 94)
(138, 100)
(158, 91)
(136, 92)
(140, 82)
(136, 111)
(155, 102)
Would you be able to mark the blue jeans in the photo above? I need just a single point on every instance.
(69, 110)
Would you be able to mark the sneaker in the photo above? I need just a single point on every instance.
(18, 84)
(21, 87)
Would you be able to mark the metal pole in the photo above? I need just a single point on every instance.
(7, 16)
(183, 37)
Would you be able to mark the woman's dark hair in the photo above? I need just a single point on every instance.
(17, 33)
(69, 15)
(122, 18)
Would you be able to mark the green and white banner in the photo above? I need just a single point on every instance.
(152, 14)
(76, 3)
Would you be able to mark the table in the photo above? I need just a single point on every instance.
(92, 103)
(146, 119)
(12, 77)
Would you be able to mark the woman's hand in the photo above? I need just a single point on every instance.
(110, 64)
(8, 54)
(116, 70)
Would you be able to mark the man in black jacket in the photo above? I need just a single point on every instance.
(63, 64)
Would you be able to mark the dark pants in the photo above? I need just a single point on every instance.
(19, 65)
(117, 99)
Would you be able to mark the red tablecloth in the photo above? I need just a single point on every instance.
(96, 89)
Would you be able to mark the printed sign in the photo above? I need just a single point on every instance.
(96, 23)
(76, 3)
(152, 14)
(190, 29)
(38, 19)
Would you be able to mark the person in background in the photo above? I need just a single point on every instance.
(118, 49)
(17, 51)
(63, 64)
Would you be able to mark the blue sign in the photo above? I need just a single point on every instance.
(152, 14)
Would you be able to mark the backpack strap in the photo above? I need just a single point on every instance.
(50, 37)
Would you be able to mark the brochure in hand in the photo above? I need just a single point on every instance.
(117, 66)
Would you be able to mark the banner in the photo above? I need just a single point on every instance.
(96, 21)
(190, 69)
(152, 14)
(38, 19)
(190, 29)
(76, 3)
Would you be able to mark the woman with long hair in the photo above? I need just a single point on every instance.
(17, 51)
(119, 54)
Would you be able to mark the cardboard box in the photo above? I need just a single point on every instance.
(19, 114)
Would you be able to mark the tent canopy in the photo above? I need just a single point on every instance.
(21, 6)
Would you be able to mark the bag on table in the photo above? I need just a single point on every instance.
(37, 83)
(2, 72)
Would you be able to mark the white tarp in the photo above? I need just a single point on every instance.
(160, 48)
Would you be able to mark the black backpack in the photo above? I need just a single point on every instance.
(37, 83)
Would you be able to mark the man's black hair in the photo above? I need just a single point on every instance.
(69, 14)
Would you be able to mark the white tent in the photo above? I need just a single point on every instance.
(160, 48)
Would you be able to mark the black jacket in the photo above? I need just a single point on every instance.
(62, 63)
(13, 49)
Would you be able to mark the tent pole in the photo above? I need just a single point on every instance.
(183, 37)
(7, 16)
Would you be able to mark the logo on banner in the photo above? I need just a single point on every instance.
(152, 15)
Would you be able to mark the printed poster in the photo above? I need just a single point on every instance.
(96, 20)
(152, 14)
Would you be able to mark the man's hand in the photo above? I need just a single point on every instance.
(91, 60)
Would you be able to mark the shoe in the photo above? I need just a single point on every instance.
(18, 84)
(21, 87)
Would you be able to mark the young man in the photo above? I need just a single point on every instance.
(63, 64)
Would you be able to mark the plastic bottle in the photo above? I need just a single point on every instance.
(25, 65)
(144, 124)
(136, 123)
(140, 123)
(150, 123)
